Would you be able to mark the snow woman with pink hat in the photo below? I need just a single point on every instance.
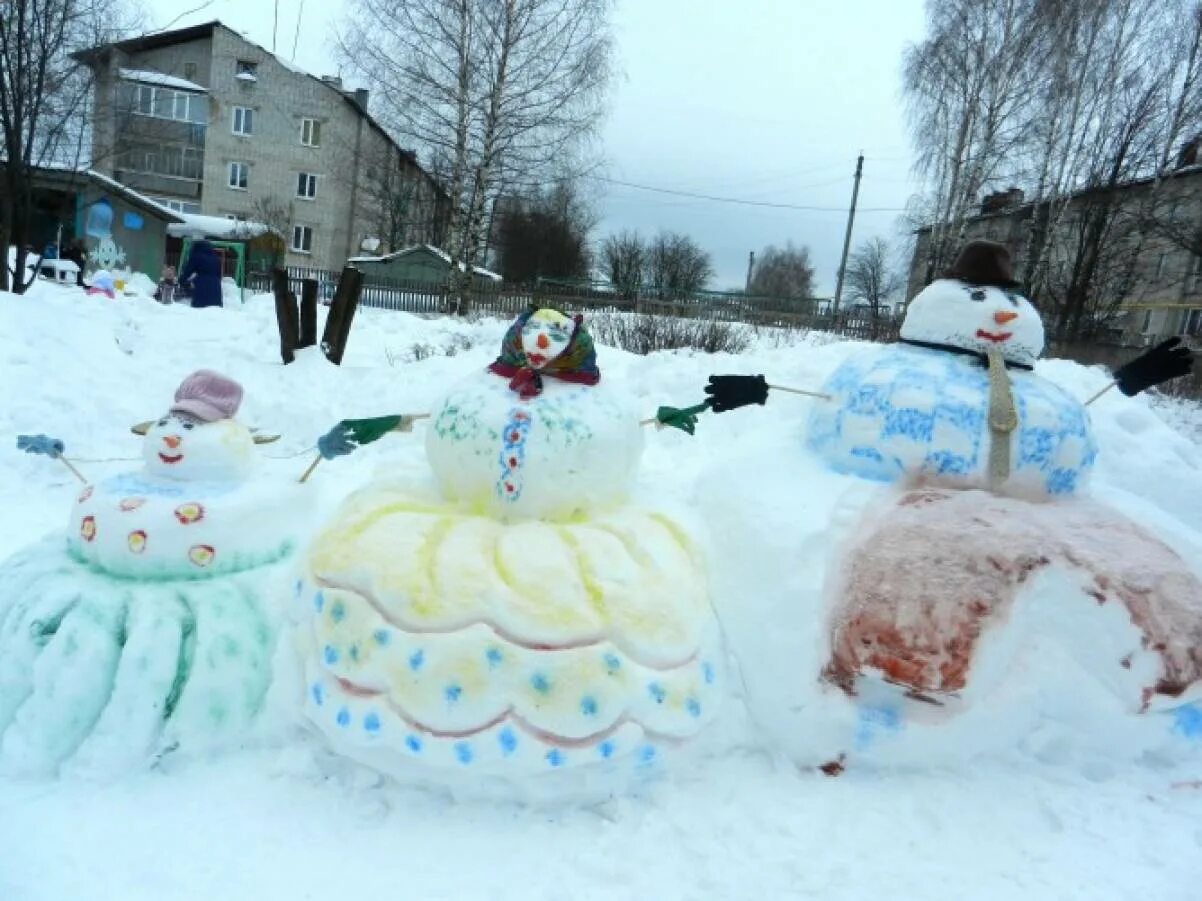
(148, 628)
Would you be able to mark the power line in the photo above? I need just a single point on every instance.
(741, 201)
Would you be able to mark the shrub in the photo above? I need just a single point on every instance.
(642, 333)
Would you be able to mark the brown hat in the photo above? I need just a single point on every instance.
(983, 263)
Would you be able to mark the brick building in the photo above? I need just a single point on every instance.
(204, 121)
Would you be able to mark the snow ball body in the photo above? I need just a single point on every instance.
(150, 627)
(919, 411)
(907, 414)
(569, 449)
(453, 648)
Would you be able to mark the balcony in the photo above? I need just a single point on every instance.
(172, 169)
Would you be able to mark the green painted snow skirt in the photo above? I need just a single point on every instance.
(102, 674)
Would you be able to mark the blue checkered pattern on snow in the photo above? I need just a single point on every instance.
(906, 412)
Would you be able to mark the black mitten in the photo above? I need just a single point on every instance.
(1165, 361)
(729, 392)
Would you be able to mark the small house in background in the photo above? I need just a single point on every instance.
(420, 263)
(119, 228)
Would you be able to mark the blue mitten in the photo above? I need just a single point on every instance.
(40, 444)
(337, 442)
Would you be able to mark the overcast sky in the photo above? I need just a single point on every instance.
(767, 100)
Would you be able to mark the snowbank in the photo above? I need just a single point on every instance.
(296, 822)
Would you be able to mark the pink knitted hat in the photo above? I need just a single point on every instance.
(208, 395)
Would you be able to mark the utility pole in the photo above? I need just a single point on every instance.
(851, 217)
(750, 267)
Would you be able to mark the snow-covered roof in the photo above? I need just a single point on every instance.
(167, 213)
(437, 251)
(168, 81)
(195, 225)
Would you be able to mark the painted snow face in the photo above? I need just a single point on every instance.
(182, 447)
(545, 336)
(979, 318)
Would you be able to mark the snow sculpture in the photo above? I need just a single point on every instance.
(976, 606)
(149, 628)
(932, 620)
(919, 411)
(521, 619)
(545, 439)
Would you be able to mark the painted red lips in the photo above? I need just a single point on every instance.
(995, 337)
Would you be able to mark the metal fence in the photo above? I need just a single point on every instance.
(505, 301)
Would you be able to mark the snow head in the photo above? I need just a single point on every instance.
(977, 307)
(546, 343)
(198, 439)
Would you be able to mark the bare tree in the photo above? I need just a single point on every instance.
(966, 86)
(1072, 100)
(545, 235)
(783, 272)
(625, 259)
(676, 266)
(44, 103)
(871, 278)
(499, 91)
(277, 216)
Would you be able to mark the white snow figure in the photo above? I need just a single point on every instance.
(924, 619)
(149, 628)
(517, 626)
(919, 410)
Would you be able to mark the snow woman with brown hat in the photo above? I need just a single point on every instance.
(149, 627)
(963, 592)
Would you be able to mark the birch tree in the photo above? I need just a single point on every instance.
(1071, 100)
(501, 91)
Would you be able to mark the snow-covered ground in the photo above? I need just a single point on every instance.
(738, 822)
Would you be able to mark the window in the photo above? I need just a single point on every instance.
(302, 239)
(166, 103)
(306, 185)
(310, 132)
(244, 120)
(1160, 266)
(1192, 323)
(246, 70)
(180, 206)
(1195, 280)
(1146, 327)
(238, 174)
(189, 71)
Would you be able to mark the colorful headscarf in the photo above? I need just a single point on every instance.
(577, 363)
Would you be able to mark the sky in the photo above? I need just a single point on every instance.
(760, 100)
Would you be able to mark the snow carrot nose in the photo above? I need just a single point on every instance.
(172, 441)
(1001, 317)
(542, 341)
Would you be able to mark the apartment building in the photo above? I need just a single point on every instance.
(205, 121)
(1151, 276)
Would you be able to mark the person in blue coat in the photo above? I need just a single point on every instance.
(203, 271)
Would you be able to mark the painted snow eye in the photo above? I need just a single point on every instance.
(1012, 297)
(977, 294)
(163, 421)
(189, 425)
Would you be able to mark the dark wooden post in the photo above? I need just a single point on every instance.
(285, 315)
(308, 313)
(342, 314)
